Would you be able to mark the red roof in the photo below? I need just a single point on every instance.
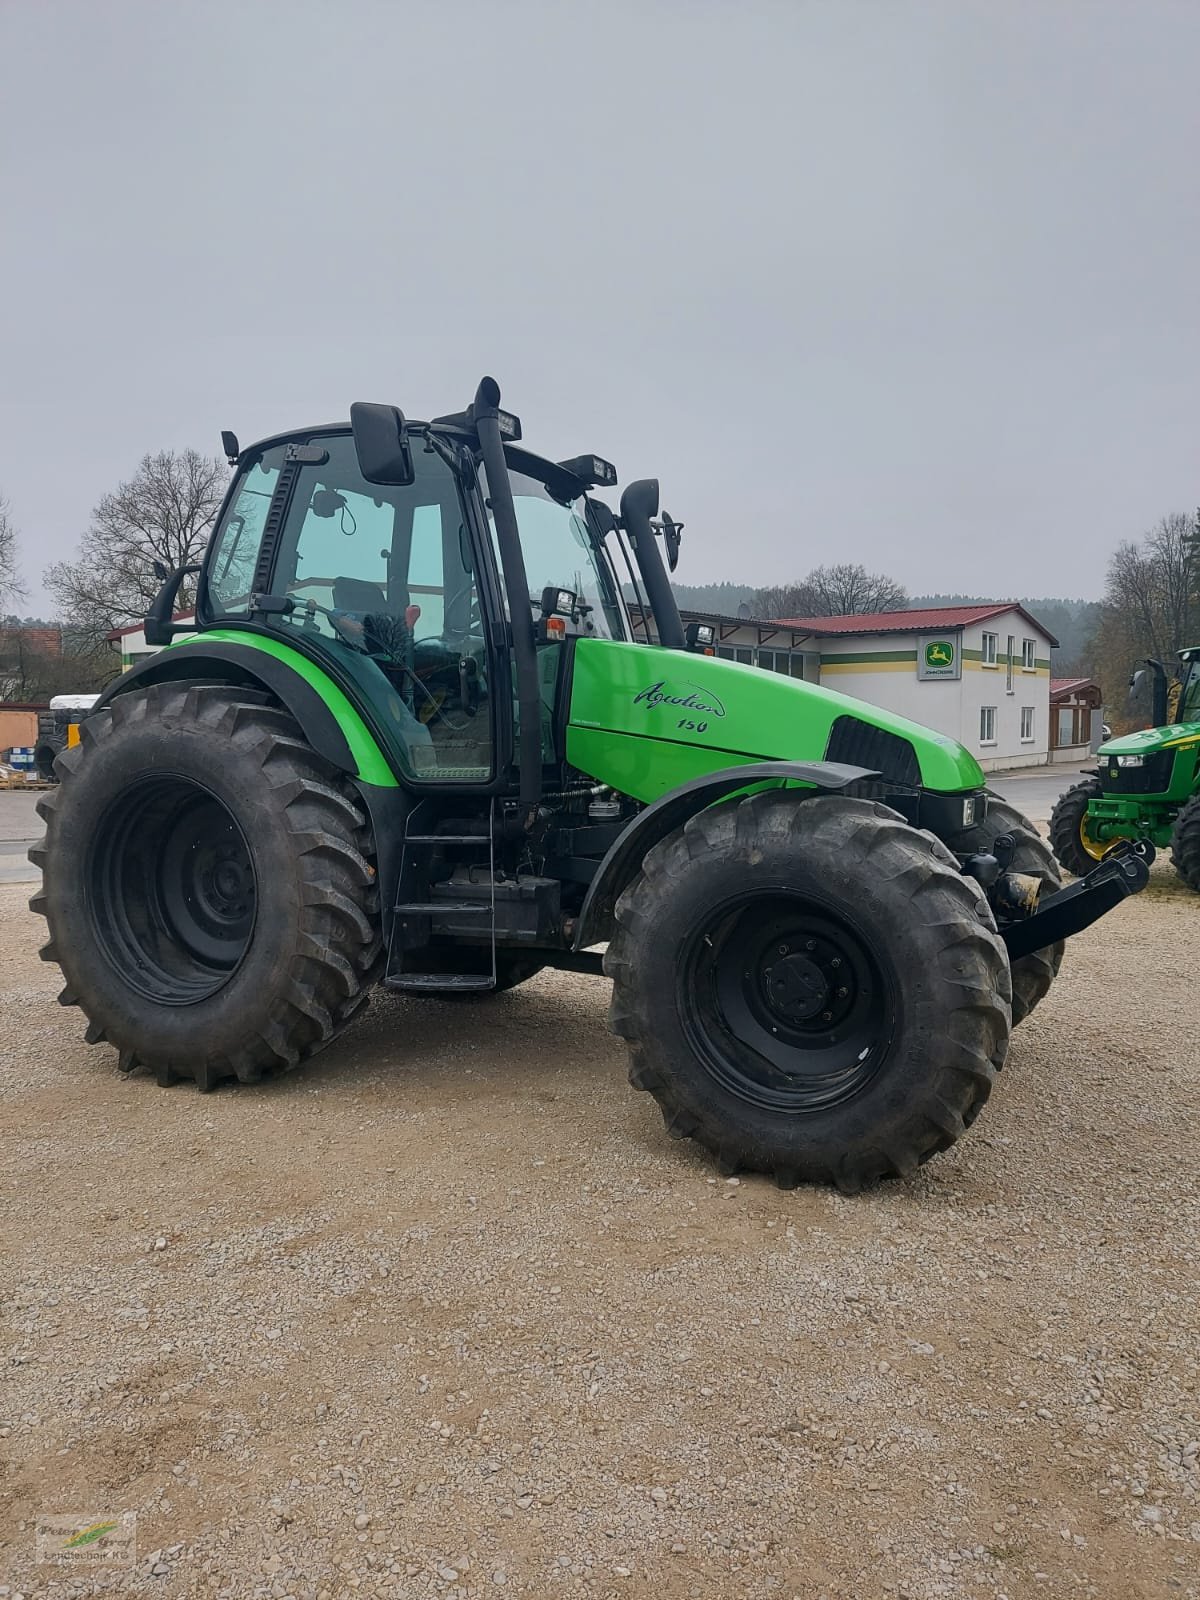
(929, 619)
(1062, 686)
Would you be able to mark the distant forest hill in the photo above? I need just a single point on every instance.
(1072, 622)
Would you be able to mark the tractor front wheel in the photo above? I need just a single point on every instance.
(810, 988)
(207, 884)
(1185, 843)
(1076, 848)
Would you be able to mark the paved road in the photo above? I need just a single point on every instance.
(1034, 792)
(20, 825)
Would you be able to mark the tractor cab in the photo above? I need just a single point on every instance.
(392, 574)
(1187, 708)
(1165, 701)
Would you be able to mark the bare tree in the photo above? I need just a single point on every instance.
(846, 589)
(1150, 606)
(11, 586)
(163, 513)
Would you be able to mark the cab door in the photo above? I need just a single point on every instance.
(384, 588)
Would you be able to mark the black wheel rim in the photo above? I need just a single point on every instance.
(172, 890)
(786, 1003)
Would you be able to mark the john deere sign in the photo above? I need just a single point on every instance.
(938, 656)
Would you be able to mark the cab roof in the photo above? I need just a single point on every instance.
(563, 483)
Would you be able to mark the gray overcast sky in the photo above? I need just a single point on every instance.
(914, 284)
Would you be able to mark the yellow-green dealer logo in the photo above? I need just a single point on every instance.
(939, 653)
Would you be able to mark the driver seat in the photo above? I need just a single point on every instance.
(387, 633)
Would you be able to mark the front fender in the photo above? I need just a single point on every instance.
(673, 810)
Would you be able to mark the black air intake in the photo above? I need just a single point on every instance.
(860, 745)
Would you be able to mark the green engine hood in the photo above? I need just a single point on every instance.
(1149, 740)
(645, 719)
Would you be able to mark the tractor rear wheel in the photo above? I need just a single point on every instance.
(208, 885)
(1072, 842)
(810, 988)
(1185, 843)
(1033, 974)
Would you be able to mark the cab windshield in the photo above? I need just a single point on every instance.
(561, 551)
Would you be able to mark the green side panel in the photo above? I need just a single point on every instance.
(646, 720)
(369, 761)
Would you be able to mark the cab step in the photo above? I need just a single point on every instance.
(454, 982)
(434, 908)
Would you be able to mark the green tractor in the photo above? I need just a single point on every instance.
(409, 741)
(1147, 784)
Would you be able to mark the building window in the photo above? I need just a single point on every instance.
(1026, 724)
(991, 642)
(987, 722)
(773, 660)
(1028, 656)
(1008, 657)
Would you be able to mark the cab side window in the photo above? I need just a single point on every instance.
(383, 574)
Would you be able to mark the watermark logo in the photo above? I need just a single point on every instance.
(89, 1541)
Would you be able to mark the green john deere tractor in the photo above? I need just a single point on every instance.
(409, 740)
(1146, 786)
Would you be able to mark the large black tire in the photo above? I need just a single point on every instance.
(46, 752)
(749, 908)
(1068, 829)
(1033, 974)
(208, 885)
(1185, 844)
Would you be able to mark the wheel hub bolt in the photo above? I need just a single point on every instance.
(827, 1016)
(836, 962)
(842, 993)
(810, 944)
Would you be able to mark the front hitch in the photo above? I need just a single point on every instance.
(1123, 872)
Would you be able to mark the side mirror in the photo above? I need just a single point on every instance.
(381, 443)
(158, 627)
(670, 532)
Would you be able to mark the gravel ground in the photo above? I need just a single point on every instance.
(447, 1314)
